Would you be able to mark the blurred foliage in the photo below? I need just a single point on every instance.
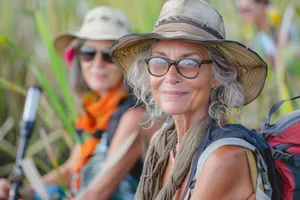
(27, 29)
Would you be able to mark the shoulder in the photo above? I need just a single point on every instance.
(224, 160)
(227, 157)
(226, 172)
(130, 121)
(128, 126)
(133, 115)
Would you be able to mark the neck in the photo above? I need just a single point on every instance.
(102, 93)
(184, 121)
(263, 25)
(118, 87)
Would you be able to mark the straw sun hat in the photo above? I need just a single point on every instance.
(195, 21)
(101, 23)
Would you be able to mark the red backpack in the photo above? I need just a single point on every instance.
(283, 135)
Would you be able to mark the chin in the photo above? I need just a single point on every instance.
(99, 88)
(174, 110)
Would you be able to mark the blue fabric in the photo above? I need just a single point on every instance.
(125, 190)
(53, 191)
(266, 43)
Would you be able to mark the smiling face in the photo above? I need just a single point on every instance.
(178, 95)
(98, 72)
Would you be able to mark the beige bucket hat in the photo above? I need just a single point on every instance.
(101, 23)
(198, 22)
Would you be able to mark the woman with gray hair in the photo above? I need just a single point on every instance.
(187, 69)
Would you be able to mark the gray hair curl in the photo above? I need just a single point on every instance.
(227, 98)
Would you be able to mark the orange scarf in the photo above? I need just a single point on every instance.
(97, 117)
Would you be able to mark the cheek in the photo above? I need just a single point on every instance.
(201, 95)
(202, 86)
(85, 71)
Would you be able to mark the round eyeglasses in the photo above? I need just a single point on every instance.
(188, 68)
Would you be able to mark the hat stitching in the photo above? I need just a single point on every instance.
(180, 19)
(105, 18)
(120, 23)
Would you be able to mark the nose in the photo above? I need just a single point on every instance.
(98, 61)
(172, 76)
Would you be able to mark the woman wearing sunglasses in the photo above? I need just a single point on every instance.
(109, 113)
(188, 70)
(108, 116)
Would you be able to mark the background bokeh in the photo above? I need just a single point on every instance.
(27, 57)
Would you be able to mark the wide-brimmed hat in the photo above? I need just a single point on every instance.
(101, 23)
(195, 21)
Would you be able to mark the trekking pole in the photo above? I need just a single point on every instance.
(26, 129)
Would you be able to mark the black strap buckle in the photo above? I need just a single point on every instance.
(281, 155)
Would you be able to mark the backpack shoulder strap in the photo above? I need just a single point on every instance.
(236, 142)
(252, 165)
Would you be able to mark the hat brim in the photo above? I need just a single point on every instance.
(61, 42)
(252, 70)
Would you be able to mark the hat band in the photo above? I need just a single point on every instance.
(186, 20)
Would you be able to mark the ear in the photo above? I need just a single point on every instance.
(214, 82)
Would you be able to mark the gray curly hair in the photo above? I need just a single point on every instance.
(228, 98)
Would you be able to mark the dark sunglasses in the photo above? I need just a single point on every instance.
(88, 54)
(188, 68)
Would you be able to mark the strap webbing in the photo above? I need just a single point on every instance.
(277, 105)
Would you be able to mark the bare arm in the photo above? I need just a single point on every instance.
(225, 176)
(4, 189)
(105, 187)
(66, 170)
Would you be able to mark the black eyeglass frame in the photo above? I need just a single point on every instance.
(175, 63)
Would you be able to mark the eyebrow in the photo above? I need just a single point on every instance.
(159, 53)
(183, 56)
(191, 54)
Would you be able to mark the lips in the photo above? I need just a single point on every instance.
(173, 94)
(100, 76)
